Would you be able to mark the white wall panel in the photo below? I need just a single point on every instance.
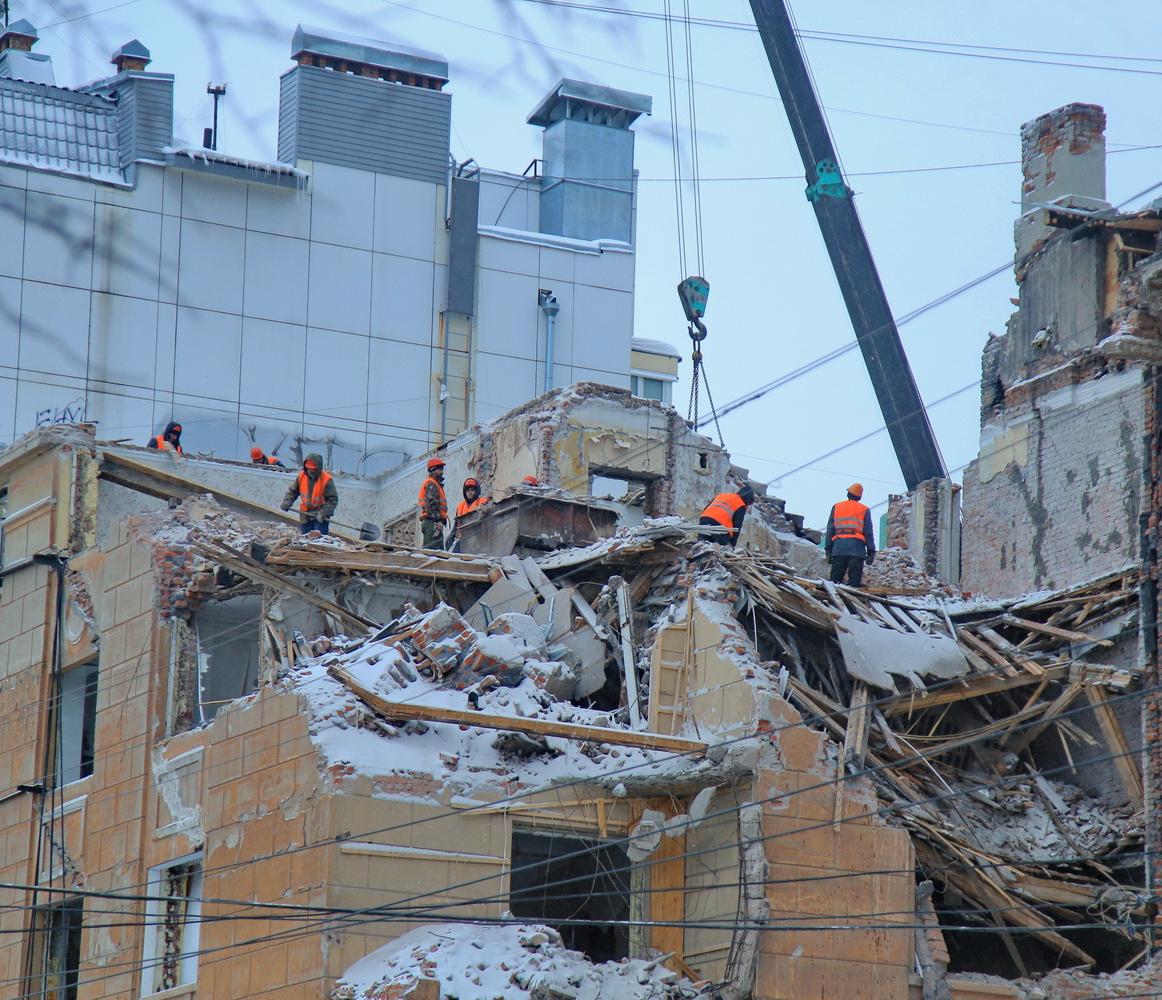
(399, 386)
(401, 299)
(213, 199)
(210, 271)
(11, 231)
(207, 354)
(276, 278)
(58, 240)
(126, 251)
(406, 216)
(339, 293)
(602, 328)
(273, 363)
(341, 205)
(123, 341)
(508, 317)
(54, 329)
(336, 382)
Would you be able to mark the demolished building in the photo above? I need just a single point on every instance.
(593, 754)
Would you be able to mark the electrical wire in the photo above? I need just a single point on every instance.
(847, 819)
(884, 41)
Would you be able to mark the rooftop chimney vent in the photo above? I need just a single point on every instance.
(395, 64)
(18, 61)
(131, 57)
(588, 187)
(19, 35)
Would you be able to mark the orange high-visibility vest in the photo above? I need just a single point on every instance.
(423, 499)
(464, 507)
(311, 499)
(271, 460)
(162, 444)
(848, 517)
(722, 509)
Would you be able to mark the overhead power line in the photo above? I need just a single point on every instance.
(890, 42)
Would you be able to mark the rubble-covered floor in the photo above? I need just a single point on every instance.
(973, 720)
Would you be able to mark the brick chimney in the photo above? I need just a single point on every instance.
(1063, 162)
(18, 61)
(131, 57)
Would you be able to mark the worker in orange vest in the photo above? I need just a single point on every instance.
(168, 440)
(727, 510)
(259, 457)
(315, 490)
(472, 498)
(849, 542)
(433, 506)
(472, 501)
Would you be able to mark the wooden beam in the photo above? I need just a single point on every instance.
(1111, 729)
(163, 484)
(396, 562)
(538, 727)
(1018, 741)
(988, 684)
(1057, 633)
(244, 564)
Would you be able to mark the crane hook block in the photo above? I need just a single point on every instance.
(828, 182)
(694, 291)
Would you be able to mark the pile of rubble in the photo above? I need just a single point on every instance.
(508, 960)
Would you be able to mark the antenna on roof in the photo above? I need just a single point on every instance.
(4, 12)
(209, 135)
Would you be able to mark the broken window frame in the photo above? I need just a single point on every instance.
(622, 872)
(207, 710)
(172, 925)
(640, 382)
(74, 710)
(55, 946)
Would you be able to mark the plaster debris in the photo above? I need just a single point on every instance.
(507, 962)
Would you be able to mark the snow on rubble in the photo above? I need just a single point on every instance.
(437, 660)
(498, 962)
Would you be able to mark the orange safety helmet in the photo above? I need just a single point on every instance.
(531, 481)
(856, 490)
(435, 463)
(310, 463)
(470, 481)
(256, 453)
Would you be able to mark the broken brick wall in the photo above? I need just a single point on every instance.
(1054, 495)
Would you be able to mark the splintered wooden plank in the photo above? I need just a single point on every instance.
(1069, 635)
(1111, 729)
(990, 654)
(854, 742)
(1008, 649)
(1020, 739)
(538, 727)
(978, 685)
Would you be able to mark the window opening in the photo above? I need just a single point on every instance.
(76, 709)
(56, 943)
(228, 652)
(171, 946)
(557, 879)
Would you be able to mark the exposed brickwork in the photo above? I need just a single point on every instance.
(1056, 499)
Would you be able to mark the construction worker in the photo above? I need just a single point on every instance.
(259, 457)
(433, 506)
(472, 498)
(849, 541)
(728, 511)
(168, 440)
(530, 481)
(315, 490)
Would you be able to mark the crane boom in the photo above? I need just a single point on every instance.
(851, 257)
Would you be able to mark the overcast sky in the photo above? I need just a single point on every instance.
(774, 304)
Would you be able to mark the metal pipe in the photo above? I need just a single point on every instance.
(549, 306)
